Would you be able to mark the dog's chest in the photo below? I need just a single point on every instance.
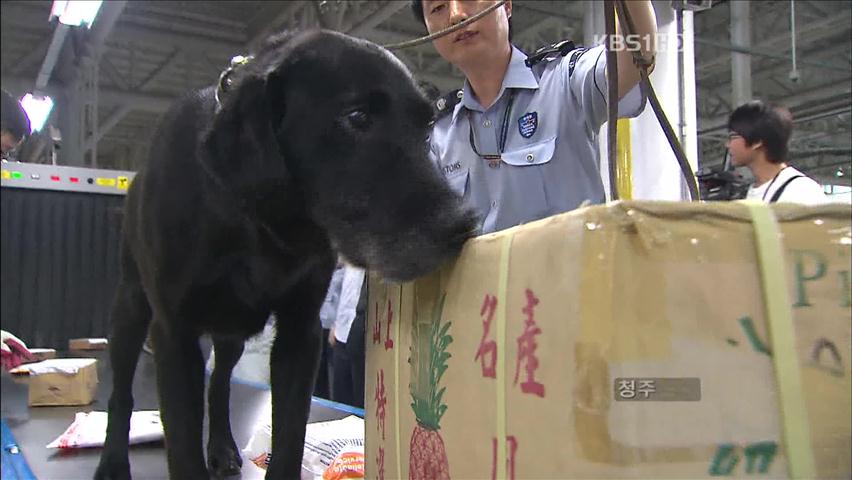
(235, 295)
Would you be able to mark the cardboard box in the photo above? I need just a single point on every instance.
(88, 344)
(63, 381)
(621, 341)
(43, 353)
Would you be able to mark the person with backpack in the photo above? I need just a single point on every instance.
(758, 139)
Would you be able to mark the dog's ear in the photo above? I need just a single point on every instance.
(240, 146)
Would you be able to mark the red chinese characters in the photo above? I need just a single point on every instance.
(527, 347)
(380, 460)
(512, 449)
(381, 401)
(487, 352)
(388, 339)
(377, 327)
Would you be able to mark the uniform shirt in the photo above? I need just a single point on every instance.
(801, 190)
(550, 161)
(328, 311)
(350, 293)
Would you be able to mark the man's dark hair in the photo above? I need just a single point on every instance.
(15, 119)
(417, 8)
(772, 125)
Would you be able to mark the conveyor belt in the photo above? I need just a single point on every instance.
(35, 427)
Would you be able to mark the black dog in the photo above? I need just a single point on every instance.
(317, 147)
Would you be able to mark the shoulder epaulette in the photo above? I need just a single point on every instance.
(447, 102)
(550, 51)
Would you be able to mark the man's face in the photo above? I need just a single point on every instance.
(475, 42)
(9, 142)
(742, 154)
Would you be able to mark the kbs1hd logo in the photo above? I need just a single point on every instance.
(636, 43)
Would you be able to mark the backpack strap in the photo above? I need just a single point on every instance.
(777, 194)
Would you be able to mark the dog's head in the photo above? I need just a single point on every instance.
(341, 124)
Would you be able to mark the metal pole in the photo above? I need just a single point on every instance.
(741, 90)
(794, 74)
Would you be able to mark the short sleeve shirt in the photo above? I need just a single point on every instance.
(800, 189)
(549, 163)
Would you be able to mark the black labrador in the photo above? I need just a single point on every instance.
(318, 146)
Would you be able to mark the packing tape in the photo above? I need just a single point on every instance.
(396, 330)
(794, 415)
(502, 287)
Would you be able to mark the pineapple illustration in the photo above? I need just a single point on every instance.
(428, 456)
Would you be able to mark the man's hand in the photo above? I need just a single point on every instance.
(14, 351)
(331, 339)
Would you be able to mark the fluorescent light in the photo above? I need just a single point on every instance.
(38, 109)
(76, 12)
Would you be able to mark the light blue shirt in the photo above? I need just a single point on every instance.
(550, 161)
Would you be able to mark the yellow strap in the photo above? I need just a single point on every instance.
(502, 286)
(794, 415)
(624, 161)
(396, 348)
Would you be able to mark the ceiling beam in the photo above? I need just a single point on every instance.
(113, 73)
(52, 55)
(273, 26)
(818, 29)
(375, 19)
(31, 57)
(131, 33)
(840, 94)
(106, 96)
(104, 24)
(106, 125)
(154, 75)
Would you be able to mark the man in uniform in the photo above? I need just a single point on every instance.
(519, 141)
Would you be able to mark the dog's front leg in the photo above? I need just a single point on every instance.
(180, 380)
(293, 367)
(223, 457)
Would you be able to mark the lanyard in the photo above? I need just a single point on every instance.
(494, 159)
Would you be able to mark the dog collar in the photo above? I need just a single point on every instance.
(226, 80)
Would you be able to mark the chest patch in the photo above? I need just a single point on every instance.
(528, 124)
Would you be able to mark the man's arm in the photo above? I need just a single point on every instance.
(645, 23)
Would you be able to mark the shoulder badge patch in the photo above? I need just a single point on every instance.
(575, 55)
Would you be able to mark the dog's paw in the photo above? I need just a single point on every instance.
(223, 459)
(112, 469)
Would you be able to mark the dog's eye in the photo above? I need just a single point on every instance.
(358, 119)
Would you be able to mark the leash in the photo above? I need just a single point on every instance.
(611, 100)
(643, 64)
(444, 32)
